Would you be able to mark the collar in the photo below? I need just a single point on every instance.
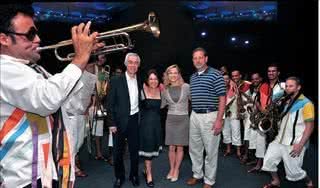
(13, 59)
(301, 97)
(204, 71)
(130, 78)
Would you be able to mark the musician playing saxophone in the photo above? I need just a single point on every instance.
(296, 126)
(257, 138)
(270, 91)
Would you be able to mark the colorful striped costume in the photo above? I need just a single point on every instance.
(27, 100)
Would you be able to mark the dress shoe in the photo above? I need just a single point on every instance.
(135, 181)
(192, 181)
(150, 183)
(174, 179)
(118, 183)
(81, 174)
(206, 186)
(169, 177)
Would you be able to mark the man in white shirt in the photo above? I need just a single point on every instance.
(29, 95)
(123, 112)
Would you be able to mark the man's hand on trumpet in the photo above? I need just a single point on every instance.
(84, 43)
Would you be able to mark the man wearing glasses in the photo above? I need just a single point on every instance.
(29, 153)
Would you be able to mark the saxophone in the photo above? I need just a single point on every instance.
(268, 120)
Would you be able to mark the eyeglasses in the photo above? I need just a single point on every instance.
(30, 35)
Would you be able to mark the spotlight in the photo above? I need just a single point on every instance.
(203, 34)
(233, 39)
(246, 42)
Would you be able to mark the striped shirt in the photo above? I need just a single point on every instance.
(206, 89)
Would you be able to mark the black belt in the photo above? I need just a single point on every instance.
(204, 111)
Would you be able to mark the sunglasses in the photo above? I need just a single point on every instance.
(30, 35)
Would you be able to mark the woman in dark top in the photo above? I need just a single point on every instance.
(150, 127)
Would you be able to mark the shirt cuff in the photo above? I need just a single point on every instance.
(72, 70)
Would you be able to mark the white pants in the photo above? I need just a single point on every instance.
(231, 132)
(201, 137)
(258, 142)
(277, 152)
(253, 139)
(247, 130)
(77, 127)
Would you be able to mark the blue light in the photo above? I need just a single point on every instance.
(233, 38)
(203, 34)
(246, 42)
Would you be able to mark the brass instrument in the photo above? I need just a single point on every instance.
(268, 121)
(243, 106)
(150, 25)
(101, 112)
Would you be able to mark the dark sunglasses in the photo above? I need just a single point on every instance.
(30, 35)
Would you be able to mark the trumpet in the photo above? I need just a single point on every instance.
(150, 25)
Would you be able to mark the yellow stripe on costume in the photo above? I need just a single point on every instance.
(308, 112)
(65, 163)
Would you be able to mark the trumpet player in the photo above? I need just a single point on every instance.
(32, 155)
(289, 146)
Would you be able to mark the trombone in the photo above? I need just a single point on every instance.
(150, 25)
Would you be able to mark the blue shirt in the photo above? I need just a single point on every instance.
(206, 89)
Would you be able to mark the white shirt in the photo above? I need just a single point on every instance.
(133, 94)
(21, 87)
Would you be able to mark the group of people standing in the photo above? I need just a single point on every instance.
(277, 121)
(38, 146)
(134, 113)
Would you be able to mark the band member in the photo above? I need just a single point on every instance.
(231, 128)
(78, 121)
(242, 98)
(206, 119)
(289, 146)
(123, 111)
(100, 122)
(30, 155)
(271, 91)
(257, 138)
(224, 70)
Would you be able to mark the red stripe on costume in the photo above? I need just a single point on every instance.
(245, 86)
(45, 148)
(264, 95)
(12, 121)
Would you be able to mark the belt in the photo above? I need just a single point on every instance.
(204, 111)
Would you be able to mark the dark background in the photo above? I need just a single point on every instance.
(290, 41)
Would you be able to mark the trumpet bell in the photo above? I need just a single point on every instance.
(154, 25)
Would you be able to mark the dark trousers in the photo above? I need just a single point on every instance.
(132, 135)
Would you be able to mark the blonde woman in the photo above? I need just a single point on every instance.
(176, 97)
